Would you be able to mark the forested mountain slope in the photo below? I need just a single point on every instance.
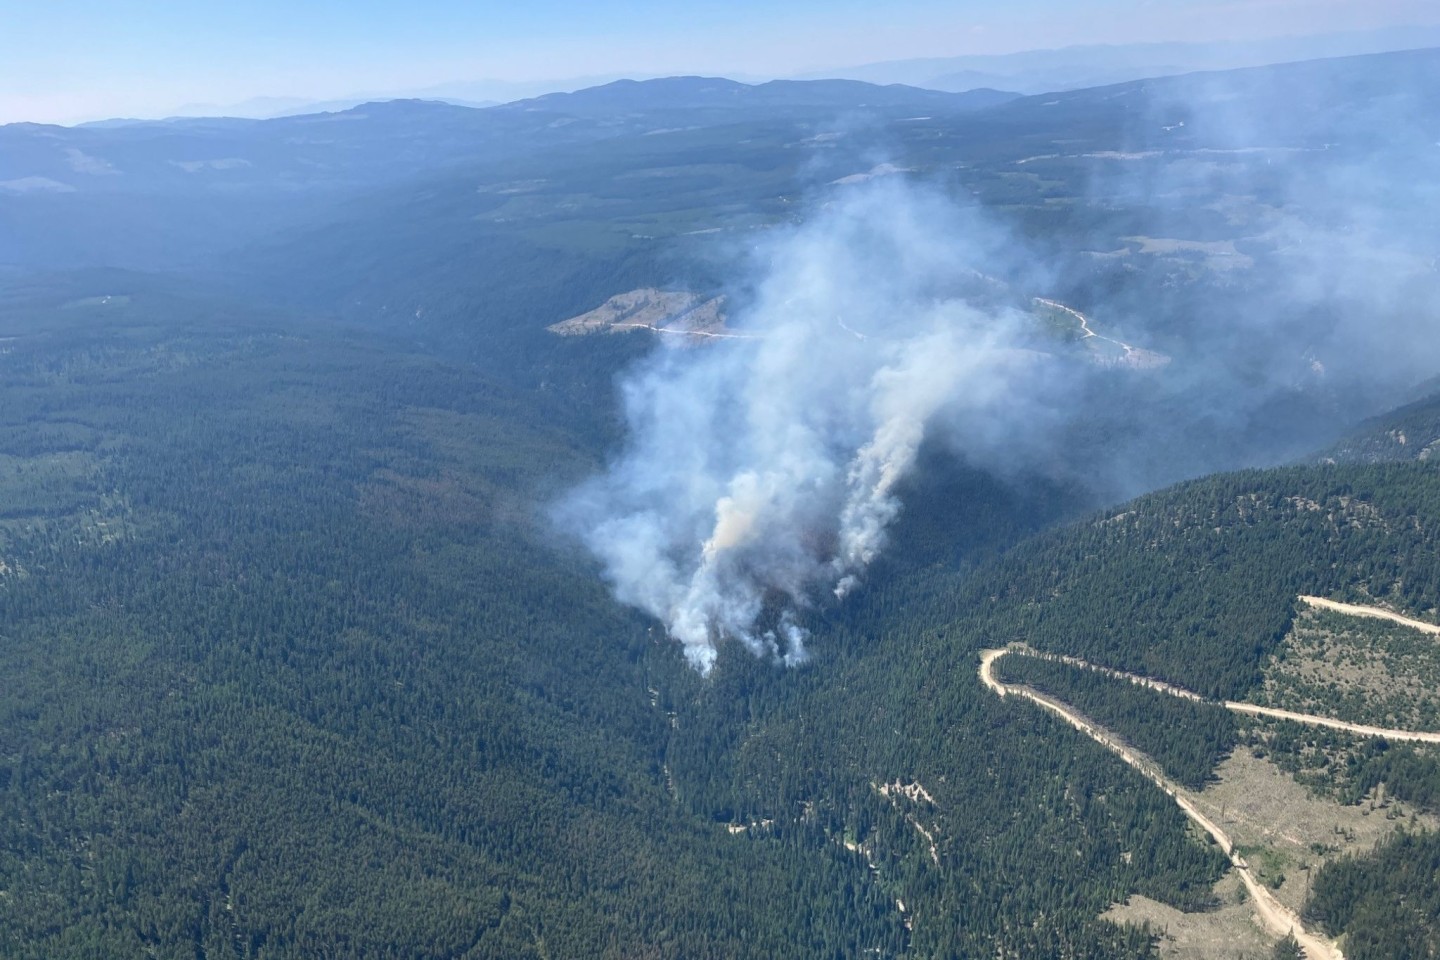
(296, 662)
(1196, 583)
(290, 670)
(288, 666)
(1410, 433)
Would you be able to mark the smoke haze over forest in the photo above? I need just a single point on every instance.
(760, 476)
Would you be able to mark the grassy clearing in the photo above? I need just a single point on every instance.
(1228, 932)
(1285, 832)
(1355, 669)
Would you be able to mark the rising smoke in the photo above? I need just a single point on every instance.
(762, 474)
(763, 471)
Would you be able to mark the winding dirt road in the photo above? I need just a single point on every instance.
(1355, 610)
(1253, 709)
(1277, 918)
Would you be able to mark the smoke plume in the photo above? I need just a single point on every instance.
(1245, 264)
(762, 471)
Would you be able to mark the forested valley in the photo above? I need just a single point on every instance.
(299, 660)
(288, 673)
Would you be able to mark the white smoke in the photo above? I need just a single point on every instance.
(1280, 251)
(762, 472)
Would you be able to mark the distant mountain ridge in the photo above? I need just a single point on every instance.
(360, 142)
(1070, 68)
(688, 93)
(192, 184)
(1026, 71)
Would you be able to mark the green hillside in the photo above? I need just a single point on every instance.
(289, 671)
(1411, 432)
(286, 675)
(1197, 584)
(294, 661)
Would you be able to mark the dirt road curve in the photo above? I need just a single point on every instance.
(1254, 709)
(1277, 918)
(1374, 612)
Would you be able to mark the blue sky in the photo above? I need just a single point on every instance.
(65, 60)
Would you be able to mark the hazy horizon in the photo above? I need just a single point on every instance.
(91, 60)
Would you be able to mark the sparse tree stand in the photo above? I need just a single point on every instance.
(1288, 949)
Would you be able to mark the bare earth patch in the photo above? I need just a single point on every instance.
(662, 311)
(1285, 830)
(1285, 833)
(1227, 933)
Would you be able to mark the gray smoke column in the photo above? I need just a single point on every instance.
(761, 472)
